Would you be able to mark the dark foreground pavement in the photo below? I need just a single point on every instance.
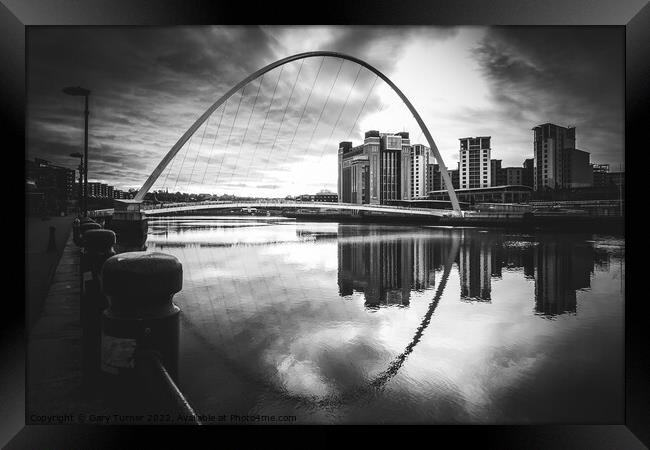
(39, 263)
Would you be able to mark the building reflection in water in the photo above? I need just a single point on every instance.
(386, 268)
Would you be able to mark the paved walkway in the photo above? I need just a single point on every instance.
(54, 343)
(55, 387)
(40, 264)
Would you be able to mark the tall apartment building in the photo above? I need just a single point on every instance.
(497, 173)
(376, 171)
(420, 157)
(557, 162)
(475, 162)
(434, 178)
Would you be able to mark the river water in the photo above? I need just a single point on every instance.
(353, 323)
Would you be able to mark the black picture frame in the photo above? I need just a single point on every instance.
(634, 15)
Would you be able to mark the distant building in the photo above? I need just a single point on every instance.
(118, 194)
(599, 174)
(377, 170)
(493, 194)
(53, 185)
(514, 176)
(529, 170)
(420, 156)
(326, 196)
(100, 190)
(617, 179)
(434, 177)
(580, 173)
(557, 162)
(497, 173)
(475, 162)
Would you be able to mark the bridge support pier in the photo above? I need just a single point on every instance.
(130, 225)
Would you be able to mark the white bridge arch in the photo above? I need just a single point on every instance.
(195, 126)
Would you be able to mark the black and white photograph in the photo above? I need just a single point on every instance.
(325, 225)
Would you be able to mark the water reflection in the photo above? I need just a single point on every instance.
(387, 267)
(366, 323)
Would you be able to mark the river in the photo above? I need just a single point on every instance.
(313, 322)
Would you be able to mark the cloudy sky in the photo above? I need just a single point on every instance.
(280, 136)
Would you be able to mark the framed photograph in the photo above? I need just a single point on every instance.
(405, 214)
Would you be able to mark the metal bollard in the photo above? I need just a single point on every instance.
(98, 247)
(51, 245)
(83, 228)
(140, 287)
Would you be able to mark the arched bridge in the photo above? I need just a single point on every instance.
(151, 180)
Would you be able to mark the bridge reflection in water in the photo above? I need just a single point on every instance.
(364, 323)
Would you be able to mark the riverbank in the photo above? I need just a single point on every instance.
(596, 224)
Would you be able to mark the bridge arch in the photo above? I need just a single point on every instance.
(195, 126)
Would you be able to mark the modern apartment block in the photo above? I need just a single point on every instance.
(557, 162)
(377, 171)
(420, 157)
(497, 173)
(514, 176)
(434, 177)
(475, 162)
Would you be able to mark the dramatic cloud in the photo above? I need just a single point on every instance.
(279, 136)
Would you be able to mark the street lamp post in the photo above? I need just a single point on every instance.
(79, 91)
(81, 172)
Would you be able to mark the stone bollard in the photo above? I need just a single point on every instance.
(141, 315)
(98, 247)
(51, 245)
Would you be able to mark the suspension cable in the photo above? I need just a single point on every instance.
(295, 132)
(285, 111)
(265, 118)
(198, 152)
(324, 105)
(362, 107)
(247, 127)
(321, 111)
(189, 144)
(230, 133)
(213, 142)
(340, 114)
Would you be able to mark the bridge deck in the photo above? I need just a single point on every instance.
(181, 207)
